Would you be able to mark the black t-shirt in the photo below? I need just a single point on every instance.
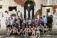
(21, 21)
(49, 19)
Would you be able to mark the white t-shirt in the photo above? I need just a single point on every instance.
(29, 22)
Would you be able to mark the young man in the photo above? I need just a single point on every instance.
(21, 21)
(41, 28)
(37, 31)
(45, 20)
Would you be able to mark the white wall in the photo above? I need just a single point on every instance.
(44, 11)
(6, 3)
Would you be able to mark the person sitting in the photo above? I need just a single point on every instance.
(9, 30)
(18, 30)
(14, 31)
(29, 31)
(26, 31)
(37, 31)
(45, 20)
(33, 31)
(41, 28)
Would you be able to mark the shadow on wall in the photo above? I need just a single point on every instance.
(39, 12)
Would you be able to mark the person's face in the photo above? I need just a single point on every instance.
(29, 26)
(26, 26)
(19, 26)
(13, 17)
(14, 27)
(9, 18)
(43, 16)
(56, 10)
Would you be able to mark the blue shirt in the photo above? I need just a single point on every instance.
(32, 22)
(45, 19)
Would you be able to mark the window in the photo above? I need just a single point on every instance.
(12, 8)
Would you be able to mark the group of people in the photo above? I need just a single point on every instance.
(19, 26)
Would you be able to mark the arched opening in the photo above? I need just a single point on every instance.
(29, 6)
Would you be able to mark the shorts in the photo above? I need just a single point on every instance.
(30, 34)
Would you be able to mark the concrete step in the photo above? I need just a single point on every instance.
(54, 28)
(3, 32)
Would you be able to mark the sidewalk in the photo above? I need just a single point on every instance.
(3, 32)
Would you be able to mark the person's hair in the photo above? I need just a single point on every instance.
(6, 12)
(43, 16)
(9, 26)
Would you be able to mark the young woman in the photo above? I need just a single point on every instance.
(33, 30)
(18, 30)
(29, 31)
(26, 31)
(14, 31)
(9, 31)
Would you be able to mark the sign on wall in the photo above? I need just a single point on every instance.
(20, 2)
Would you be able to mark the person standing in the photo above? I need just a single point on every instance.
(41, 21)
(45, 20)
(49, 22)
(21, 21)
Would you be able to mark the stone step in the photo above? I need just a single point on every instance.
(3, 32)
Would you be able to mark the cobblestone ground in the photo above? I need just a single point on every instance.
(46, 36)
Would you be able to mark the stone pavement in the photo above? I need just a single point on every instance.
(54, 29)
(45, 36)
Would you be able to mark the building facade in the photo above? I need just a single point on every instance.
(6, 4)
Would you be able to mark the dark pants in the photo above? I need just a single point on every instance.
(28, 9)
(21, 21)
(49, 26)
